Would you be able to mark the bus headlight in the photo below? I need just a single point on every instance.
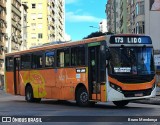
(116, 87)
(154, 85)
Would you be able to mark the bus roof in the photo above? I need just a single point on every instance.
(54, 46)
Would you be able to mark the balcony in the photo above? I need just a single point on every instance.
(1, 57)
(2, 16)
(14, 9)
(1, 71)
(2, 29)
(3, 4)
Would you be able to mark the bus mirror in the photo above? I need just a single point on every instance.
(108, 54)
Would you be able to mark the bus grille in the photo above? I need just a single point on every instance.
(146, 92)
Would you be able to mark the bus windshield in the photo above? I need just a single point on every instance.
(131, 61)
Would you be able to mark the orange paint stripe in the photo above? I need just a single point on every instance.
(132, 86)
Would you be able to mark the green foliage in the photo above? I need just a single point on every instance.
(97, 34)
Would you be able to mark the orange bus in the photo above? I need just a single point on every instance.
(117, 68)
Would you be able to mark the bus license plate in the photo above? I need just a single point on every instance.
(138, 94)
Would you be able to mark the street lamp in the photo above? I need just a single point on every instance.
(94, 27)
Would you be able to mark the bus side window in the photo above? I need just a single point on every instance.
(73, 56)
(60, 58)
(37, 60)
(63, 58)
(66, 58)
(49, 59)
(9, 63)
(78, 56)
(26, 61)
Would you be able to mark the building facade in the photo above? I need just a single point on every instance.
(103, 26)
(24, 26)
(113, 15)
(45, 21)
(14, 41)
(137, 17)
(3, 26)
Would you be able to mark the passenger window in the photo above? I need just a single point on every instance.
(9, 63)
(77, 56)
(63, 58)
(49, 59)
(26, 61)
(37, 60)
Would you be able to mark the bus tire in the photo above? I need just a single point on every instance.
(82, 97)
(29, 94)
(37, 100)
(121, 104)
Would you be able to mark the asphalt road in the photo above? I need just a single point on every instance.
(59, 110)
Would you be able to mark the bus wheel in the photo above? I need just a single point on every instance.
(29, 94)
(37, 100)
(121, 103)
(82, 97)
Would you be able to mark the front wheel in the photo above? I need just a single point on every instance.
(121, 103)
(82, 98)
(29, 94)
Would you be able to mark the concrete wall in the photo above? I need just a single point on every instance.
(152, 25)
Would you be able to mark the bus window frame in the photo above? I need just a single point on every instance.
(10, 69)
(54, 65)
(85, 55)
(63, 50)
(21, 61)
(43, 62)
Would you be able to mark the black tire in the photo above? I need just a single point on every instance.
(29, 94)
(37, 100)
(82, 98)
(121, 103)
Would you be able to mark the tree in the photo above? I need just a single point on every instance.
(97, 34)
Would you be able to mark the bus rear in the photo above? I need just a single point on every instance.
(131, 73)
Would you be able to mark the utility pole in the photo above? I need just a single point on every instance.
(114, 10)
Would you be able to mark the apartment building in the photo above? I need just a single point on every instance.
(24, 26)
(3, 26)
(137, 17)
(45, 21)
(103, 26)
(113, 16)
(13, 25)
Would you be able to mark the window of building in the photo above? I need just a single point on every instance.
(33, 5)
(33, 25)
(33, 16)
(40, 16)
(37, 60)
(26, 61)
(33, 36)
(39, 5)
(40, 26)
(140, 8)
(40, 36)
(49, 59)
(140, 27)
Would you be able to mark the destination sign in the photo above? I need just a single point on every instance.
(130, 40)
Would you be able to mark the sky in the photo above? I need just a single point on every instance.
(81, 14)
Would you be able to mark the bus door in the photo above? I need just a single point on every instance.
(94, 63)
(16, 75)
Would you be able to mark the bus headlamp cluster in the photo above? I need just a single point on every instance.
(116, 87)
(154, 85)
